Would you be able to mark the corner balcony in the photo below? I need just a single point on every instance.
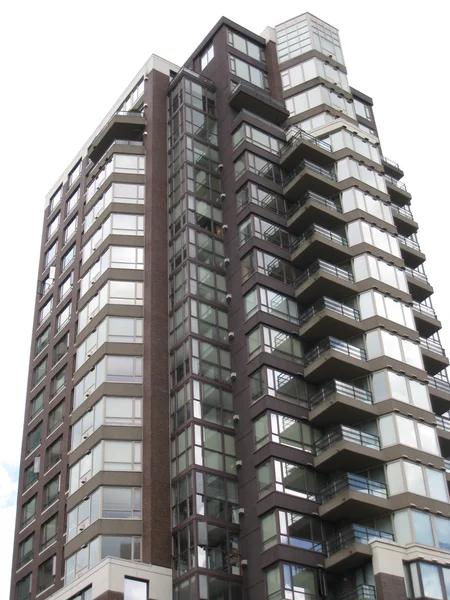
(334, 357)
(426, 319)
(126, 125)
(419, 288)
(397, 191)
(318, 242)
(321, 279)
(360, 592)
(391, 168)
(443, 432)
(327, 315)
(310, 176)
(434, 357)
(439, 390)
(411, 252)
(345, 446)
(340, 402)
(404, 219)
(313, 208)
(350, 548)
(301, 146)
(353, 497)
(256, 100)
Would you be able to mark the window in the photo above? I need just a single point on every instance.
(207, 57)
(55, 417)
(405, 476)
(61, 347)
(257, 137)
(49, 532)
(275, 342)
(115, 224)
(45, 311)
(268, 265)
(46, 574)
(353, 198)
(31, 474)
(115, 257)
(423, 528)
(63, 317)
(53, 227)
(348, 167)
(208, 402)
(34, 438)
(373, 303)
(292, 529)
(244, 45)
(36, 405)
(65, 287)
(258, 165)
(366, 266)
(271, 302)
(248, 72)
(68, 258)
(363, 109)
(135, 589)
(42, 340)
(317, 96)
(39, 372)
(58, 382)
(84, 595)
(54, 452)
(280, 429)
(287, 580)
(51, 492)
(266, 230)
(126, 193)
(204, 320)
(428, 580)
(216, 497)
(360, 232)
(281, 385)
(388, 384)
(70, 229)
(214, 449)
(50, 254)
(349, 139)
(382, 343)
(396, 429)
(75, 173)
(309, 69)
(262, 197)
(56, 199)
(23, 588)
(288, 478)
(28, 512)
(72, 201)
(25, 551)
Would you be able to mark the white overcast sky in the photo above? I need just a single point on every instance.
(63, 64)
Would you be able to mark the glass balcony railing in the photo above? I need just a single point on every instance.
(360, 592)
(354, 534)
(424, 309)
(356, 483)
(344, 389)
(347, 434)
(415, 274)
(440, 382)
(321, 265)
(409, 242)
(312, 196)
(328, 303)
(432, 345)
(306, 164)
(390, 162)
(320, 231)
(403, 210)
(447, 465)
(443, 423)
(303, 135)
(395, 182)
(333, 343)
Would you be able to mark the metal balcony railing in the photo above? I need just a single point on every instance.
(439, 382)
(321, 265)
(354, 534)
(339, 387)
(303, 135)
(409, 242)
(443, 423)
(328, 303)
(416, 274)
(349, 481)
(432, 345)
(424, 309)
(328, 202)
(360, 592)
(403, 210)
(390, 162)
(259, 93)
(395, 182)
(332, 343)
(321, 231)
(306, 164)
(348, 434)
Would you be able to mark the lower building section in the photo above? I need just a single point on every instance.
(117, 579)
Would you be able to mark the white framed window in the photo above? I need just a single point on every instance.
(207, 56)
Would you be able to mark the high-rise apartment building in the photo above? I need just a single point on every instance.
(236, 386)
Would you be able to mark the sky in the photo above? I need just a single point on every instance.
(63, 64)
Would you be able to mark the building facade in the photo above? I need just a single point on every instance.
(236, 389)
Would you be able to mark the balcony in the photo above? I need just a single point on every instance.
(392, 168)
(404, 219)
(426, 319)
(308, 175)
(334, 357)
(340, 402)
(123, 125)
(318, 242)
(433, 354)
(411, 253)
(443, 431)
(439, 389)
(256, 100)
(322, 278)
(397, 191)
(345, 446)
(304, 145)
(350, 547)
(353, 497)
(419, 287)
(313, 208)
(360, 592)
(327, 315)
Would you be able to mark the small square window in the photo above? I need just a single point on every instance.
(207, 56)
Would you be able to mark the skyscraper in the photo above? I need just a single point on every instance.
(237, 389)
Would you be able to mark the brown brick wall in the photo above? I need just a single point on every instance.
(390, 587)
